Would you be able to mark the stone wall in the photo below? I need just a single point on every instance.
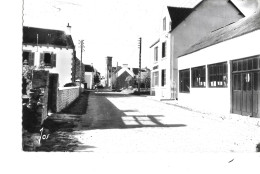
(66, 95)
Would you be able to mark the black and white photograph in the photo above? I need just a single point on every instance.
(173, 77)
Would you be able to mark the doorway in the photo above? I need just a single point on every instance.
(246, 87)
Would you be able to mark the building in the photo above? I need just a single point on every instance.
(108, 71)
(122, 76)
(181, 28)
(52, 49)
(221, 72)
(89, 76)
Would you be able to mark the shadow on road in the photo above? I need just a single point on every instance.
(103, 114)
(92, 111)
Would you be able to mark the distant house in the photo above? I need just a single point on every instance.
(89, 76)
(52, 49)
(181, 28)
(122, 76)
(221, 72)
(125, 76)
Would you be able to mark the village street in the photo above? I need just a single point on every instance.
(116, 122)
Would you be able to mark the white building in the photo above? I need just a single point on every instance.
(89, 76)
(181, 28)
(54, 49)
(221, 72)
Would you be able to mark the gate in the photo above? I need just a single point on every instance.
(52, 93)
(246, 87)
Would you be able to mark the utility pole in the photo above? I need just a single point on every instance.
(139, 74)
(81, 44)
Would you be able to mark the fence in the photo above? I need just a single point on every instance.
(65, 96)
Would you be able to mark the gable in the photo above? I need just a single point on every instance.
(46, 37)
(177, 15)
(207, 16)
(121, 71)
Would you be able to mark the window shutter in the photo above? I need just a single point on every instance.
(41, 58)
(31, 59)
(165, 49)
(53, 60)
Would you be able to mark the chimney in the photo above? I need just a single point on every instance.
(68, 32)
(125, 65)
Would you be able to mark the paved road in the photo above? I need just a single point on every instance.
(115, 122)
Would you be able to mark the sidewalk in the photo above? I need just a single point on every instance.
(211, 115)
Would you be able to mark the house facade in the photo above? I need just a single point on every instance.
(182, 27)
(221, 72)
(89, 76)
(50, 49)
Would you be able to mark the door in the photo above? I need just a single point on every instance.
(256, 94)
(247, 94)
(236, 93)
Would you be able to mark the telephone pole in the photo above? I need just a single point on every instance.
(81, 44)
(139, 74)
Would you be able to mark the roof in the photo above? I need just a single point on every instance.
(158, 40)
(89, 68)
(239, 28)
(178, 14)
(46, 37)
(118, 68)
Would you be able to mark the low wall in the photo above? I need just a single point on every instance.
(66, 95)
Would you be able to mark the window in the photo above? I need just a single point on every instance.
(217, 75)
(164, 23)
(198, 76)
(252, 63)
(170, 26)
(184, 81)
(155, 80)
(163, 77)
(156, 54)
(28, 58)
(49, 59)
(163, 49)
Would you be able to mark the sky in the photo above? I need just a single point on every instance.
(108, 27)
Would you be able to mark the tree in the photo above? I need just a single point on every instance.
(146, 78)
(97, 78)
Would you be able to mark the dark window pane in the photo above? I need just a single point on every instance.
(47, 58)
(250, 64)
(234, 67)
(184, 80)
(245, 64)
(256, 78)
(249, 81)
(239, 81)
(255, 63)
(244, 82)
(239, 66)
(225, 68)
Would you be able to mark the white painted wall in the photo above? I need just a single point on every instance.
(64, 58)
(89, 79)
(162, 92)
(217, 99)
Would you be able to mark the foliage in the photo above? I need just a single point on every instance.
(130, 81)
(146, 79)
(27, 73)
(97, 78)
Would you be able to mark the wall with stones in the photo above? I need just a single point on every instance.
(66, 95)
